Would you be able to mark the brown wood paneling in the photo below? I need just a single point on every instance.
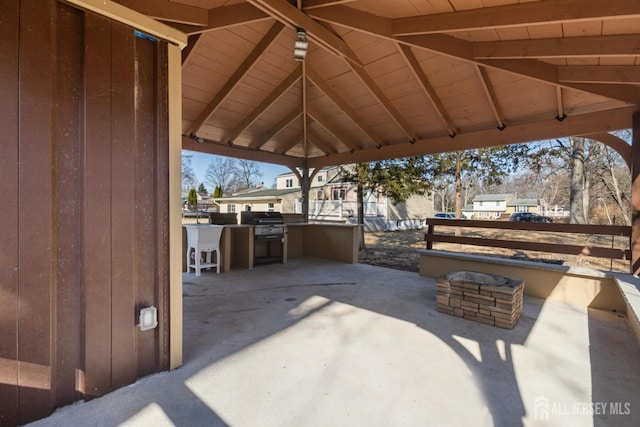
(162, 207)
(84, 181)
(35, 198)
(145, 212)
(9, 17)
(97, 206)
(68, 214)
(123, 363)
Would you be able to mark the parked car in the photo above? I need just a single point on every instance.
(445, 215)
(529, 217)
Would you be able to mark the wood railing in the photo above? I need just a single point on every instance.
(558, 248)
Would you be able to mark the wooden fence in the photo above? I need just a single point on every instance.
(510, 227)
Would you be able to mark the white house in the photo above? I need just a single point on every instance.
(331, 197)
(268, 200)
(491, 206)
(494, 206)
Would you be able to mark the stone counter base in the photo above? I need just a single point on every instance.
(481, 297)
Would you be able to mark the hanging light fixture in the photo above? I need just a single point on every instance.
(301, 45)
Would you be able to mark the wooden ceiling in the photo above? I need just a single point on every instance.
(385, 79)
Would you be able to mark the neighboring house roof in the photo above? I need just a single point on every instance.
(489, 197)
(524, 202)
(259, 195)
(468, 208)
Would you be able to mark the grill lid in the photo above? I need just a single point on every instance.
(261, 218)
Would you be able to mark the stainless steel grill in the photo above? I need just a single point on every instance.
(268, 235)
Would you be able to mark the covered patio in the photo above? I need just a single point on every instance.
(105, 94)
(319, 343)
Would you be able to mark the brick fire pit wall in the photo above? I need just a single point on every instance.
(485, 298)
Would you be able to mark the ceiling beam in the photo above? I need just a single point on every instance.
(491, 96)
(304, 111)
(549, 73)
(350, 113)
(283, 123)
(336, 133)
(223, 149)
(314, 4)
(132, 18)
(163, 10)
(384, 102)
(464, 50)
(292, 16)
(285, 146)
(282, 88)
(225, 17)
(240, 72)
(429, 91)
(192, 41)
(513, 15)
(598, 122)
(612, 74)
(560, 103)
(325, 148)
(560, 47)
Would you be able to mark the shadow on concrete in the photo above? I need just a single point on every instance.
(260, 336)
(613, 355)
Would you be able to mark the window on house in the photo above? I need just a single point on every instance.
(270, 207)
(479, 203)
(289, 183)
(319, 178)
(339, 194)
(231, 208)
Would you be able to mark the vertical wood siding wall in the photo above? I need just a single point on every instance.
(84, 206)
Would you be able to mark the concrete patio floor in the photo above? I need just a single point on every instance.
(317, 343)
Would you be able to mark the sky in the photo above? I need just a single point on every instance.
(200, 162)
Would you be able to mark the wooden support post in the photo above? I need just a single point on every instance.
(305, 184)
(635, 195)
(428, 236)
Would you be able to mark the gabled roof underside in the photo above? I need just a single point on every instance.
(388, 79)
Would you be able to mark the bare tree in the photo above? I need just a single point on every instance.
(223, 172)
(579, 200)
(189, 180)
(612, 181)
(248, 174)
(444, 194)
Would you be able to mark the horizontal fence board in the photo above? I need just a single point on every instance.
(605, 230)
(534, 246)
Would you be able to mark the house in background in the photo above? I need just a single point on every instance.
(491, 206)
(259, 199)
(525, 205)
(467, 211)
(495, 206)
(333, 198)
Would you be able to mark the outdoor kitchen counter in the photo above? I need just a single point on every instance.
(337, 242)
(236, 247)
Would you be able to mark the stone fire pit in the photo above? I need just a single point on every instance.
(485, 298)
